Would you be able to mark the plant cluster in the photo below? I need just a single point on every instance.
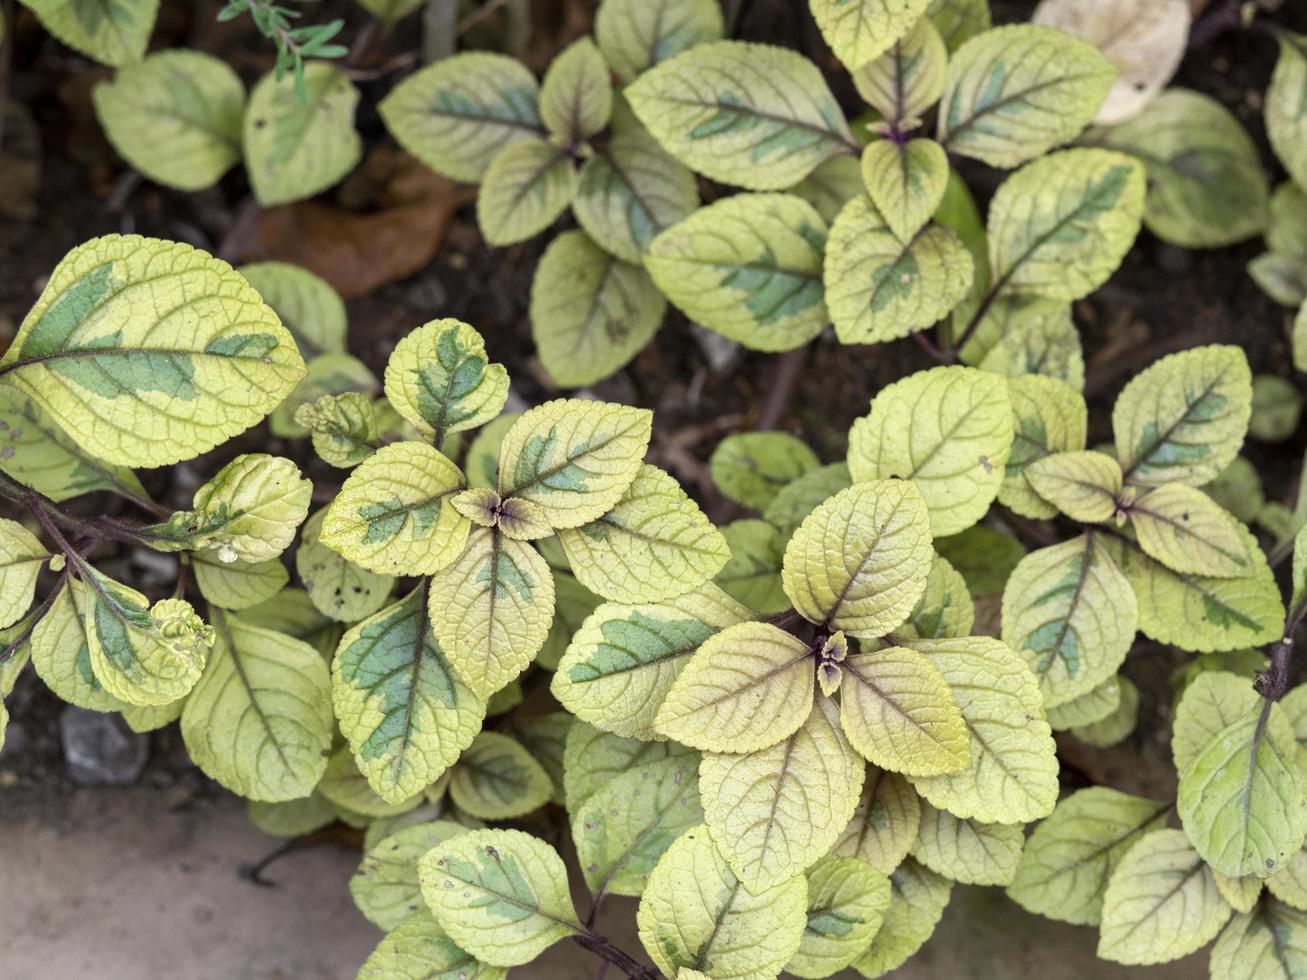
(789, 736)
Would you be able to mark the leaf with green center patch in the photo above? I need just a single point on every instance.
(346, 428)
(238, 585)
(906, 183)
(38, 453)
(654, 544)
(860, 561)
(696, 914)
(591, 312)
(175, 117)
(635, 35)
(1183, 418)
(440, 379)
(1241, 798)
(904, 82)
(115, 32)
(573, 458)
(747, 688)
(61, 655)
(623, 829)
(968, 851)
(918, 897)
(1070, 857)
(497, 779)
(944, 609)
(1049, 417)
(948, 430)
(1185, 530)
(753, 573)
(21, 558)
(391, 515)
(405, 712)
(752, 467)
(296, 147)
(249, 511)
(1161, 903)
(884, 823)
(500, 894)
(353, 797)
(576, 96)
(594, 758)
(880, 286)
(419, 949)
(142, 654)
(491, 609)
(776, 810)
(1012, 777)
(457, 114)
(338, 588)
(747, 267)
(1083, 484)
(385, 887)
(1268, 943)
(1060, 226)
(753, 115)
(860, 30)
(630, 191)
(307, 304)
(150, 351)
(1201, 612)
(1070, 612)
(1286, 106)
(801, 496)
(1094, 705)
(1022, 335)
(527, 186)
(624, 659)
(899, 713)
(1016, 92)
(847, 901)
(259, 721)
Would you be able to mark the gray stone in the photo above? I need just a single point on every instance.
(100, 749)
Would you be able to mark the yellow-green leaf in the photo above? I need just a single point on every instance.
(327, 374)
(1286, 114)
(944, 609)
(21, 558)
(1083, 484)
(308, 306)
(1016, 92)
(259, 721)
(847, 901)
(1023, 335)
(593, 758)
(175, 117)
(1161, 903)
(1094, 705)
(385, 887)
(884, 823)
(441, 380)
(238, 585)
(1187, 531)
(591, 312)
(338, 588)
(1241, 893)
(860, 30)
(752, 467)
(1012, 777)
(405, 712)
(419, 949)
(949, 430)
(906, 182)
(1114, 726)
(753, 574)
(500, 894)
(528, 184)
(1070, 857)
(576, 96)
(295, 148)
(624, 659)
(777, 810)
(391, 515)
(497, 779)
(881, 286)
(635, 35)
(1183, 418)
(573, 458)
(747, 266)
(61, 655)
(917, 900)
(831, 185)
(491, 609)
(904, 82)
(1070, 612)
(801, 496)
(1269, 943)
(116, 34)
(654, 544)
(968, 851)
(696, 914)
(350, 793)
(346, 428)
(150, 351)
(1060, 226)
(959, 20)
(753, 115)
(747, 688)
(1048, 417)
